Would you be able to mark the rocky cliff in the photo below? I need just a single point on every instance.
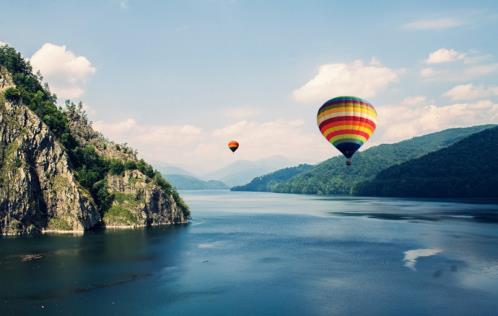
(139, 201)
(38, 190)
(58, 174)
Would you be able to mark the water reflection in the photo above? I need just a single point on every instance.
(267, 254)
(411, 256)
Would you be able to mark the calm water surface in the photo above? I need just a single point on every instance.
(267, 254)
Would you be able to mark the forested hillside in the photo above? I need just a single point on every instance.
(57, 173)
(269, 181)
(334, 177)
(185, 182)
(468, 168)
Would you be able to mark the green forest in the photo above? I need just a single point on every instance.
(467, 168)
(334, 177)
(270, 181)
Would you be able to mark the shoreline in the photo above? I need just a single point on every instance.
(82, 232)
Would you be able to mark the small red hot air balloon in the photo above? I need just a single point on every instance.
(233, 145)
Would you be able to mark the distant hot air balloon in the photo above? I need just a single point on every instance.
(347, 123)
(233, 145)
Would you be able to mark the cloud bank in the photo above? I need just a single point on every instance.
(444, 55)
(66, 72)
(356, 78)
(401, 122)
(471, 92)
(205, 150)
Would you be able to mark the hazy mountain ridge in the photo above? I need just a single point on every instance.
(242, 171)
(168, 169)
(185, 182)
(333, 177)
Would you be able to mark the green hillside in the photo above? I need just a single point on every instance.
(185, 182)
(334, 177)
(468, 168)
(269, 181)
(90, 167)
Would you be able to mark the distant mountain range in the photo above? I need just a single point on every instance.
(186, 182)
(333, 177)
(242, 171)
(236, 173)
(167, 169)
(468, 168)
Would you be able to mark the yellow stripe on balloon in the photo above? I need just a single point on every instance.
(328, 131)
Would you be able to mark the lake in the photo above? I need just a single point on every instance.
(267, 254)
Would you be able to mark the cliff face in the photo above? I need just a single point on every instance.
(139, 201)
(69, 178)
(37, 188)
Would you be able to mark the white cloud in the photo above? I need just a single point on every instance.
(470, 92)
(411, 256)
(444, 67)
(415, 100)
(401, 122)
(356, 78)
(205, 150)
(434, 24)
(124, 4)
(444, 55)
(65, 72)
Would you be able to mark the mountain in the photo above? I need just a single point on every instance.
(243, 171)
(468, 168)
(58, 174)
(184, 182)
(334, 177)
(167, 169)
(267, 182)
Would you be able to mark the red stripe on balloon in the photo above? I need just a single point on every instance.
(345, 120)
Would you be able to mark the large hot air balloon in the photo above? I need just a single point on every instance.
(233, 145)
(347, 123)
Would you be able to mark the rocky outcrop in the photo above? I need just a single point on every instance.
(58, 174)
(92, 182)
(139, 201)
(38, 190)
(82, 130)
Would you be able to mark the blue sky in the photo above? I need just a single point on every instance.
(177, 79)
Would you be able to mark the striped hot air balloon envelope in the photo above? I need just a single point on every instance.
(233, 145)
(347, 123)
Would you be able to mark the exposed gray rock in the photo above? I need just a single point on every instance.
(139, 201)
(38, 189)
